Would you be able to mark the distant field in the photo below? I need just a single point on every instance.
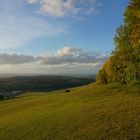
(91, 112)
(41, 83)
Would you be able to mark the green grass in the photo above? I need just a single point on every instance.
(92, 112)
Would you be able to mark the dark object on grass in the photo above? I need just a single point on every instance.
(68, 90)
(1, 97)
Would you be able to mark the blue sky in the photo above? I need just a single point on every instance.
(57, 29)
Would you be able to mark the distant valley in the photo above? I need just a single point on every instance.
(20, 84)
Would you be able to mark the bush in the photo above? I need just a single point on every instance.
(68, 90)
(102, 77)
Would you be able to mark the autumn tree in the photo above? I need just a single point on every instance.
(124, 64)
(102, 77)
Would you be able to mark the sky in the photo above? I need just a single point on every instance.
(57, 36)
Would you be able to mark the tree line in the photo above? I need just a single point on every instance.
(124, 63)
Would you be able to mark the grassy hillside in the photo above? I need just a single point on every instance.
(92, 112)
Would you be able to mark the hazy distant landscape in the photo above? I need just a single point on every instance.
(41, 83)
(8, 75)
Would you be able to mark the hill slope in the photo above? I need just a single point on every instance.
(86, 113)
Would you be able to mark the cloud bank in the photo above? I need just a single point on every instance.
(15, 59)
(68, 55)
(66, 60)
(64, 56)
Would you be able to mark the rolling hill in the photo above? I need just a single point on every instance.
(91, 112)
(42, 83)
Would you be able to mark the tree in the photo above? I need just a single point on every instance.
(102, 77)
(124, 64)
(132, 18)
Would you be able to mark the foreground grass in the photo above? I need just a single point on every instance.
(91, 112)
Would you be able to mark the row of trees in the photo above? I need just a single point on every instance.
(124, 64)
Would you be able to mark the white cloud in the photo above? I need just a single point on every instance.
(65, 61)
(68, 55)
(14, 59)
(64, 56)
(61, 8)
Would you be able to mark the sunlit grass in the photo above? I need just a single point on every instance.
(86, 113)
